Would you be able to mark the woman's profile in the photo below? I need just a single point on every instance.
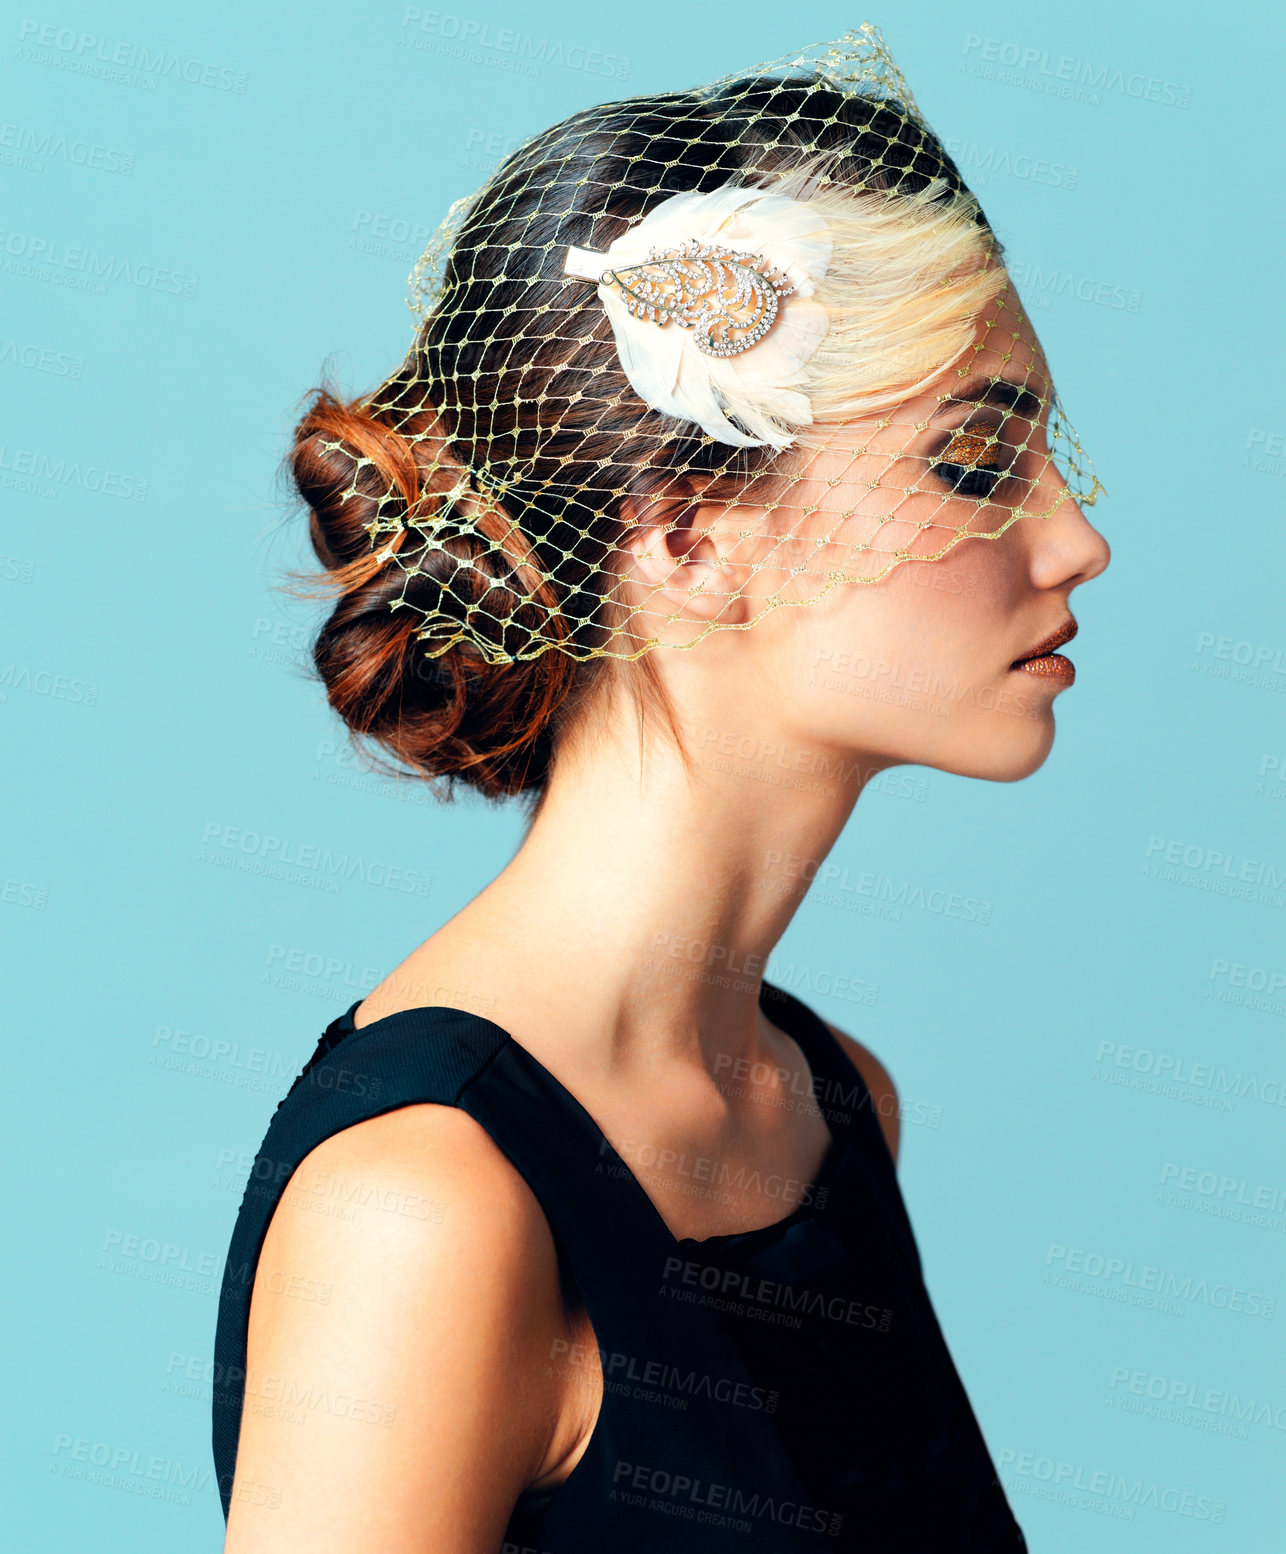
(576, 1234)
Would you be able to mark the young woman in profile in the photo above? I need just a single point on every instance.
(576, 1235)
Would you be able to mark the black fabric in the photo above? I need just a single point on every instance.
(786, 1389)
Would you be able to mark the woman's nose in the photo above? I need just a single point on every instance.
(1067, 550)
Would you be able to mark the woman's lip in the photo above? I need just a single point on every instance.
(1045, 648)
(1049, 666)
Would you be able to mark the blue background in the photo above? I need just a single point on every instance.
(162, 996)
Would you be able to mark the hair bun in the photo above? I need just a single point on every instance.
(452, 716)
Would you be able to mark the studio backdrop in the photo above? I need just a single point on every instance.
(1078, 981)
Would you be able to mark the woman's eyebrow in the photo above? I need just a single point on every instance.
(1002, 393)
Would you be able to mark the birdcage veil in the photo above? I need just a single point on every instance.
(764, 313)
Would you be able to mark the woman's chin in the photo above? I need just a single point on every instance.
(1016, 755)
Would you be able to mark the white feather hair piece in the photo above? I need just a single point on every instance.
(780, 248)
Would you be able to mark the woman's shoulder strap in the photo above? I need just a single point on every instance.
(415, 1057)
(838, 1083)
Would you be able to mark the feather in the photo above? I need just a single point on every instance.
(751, 396)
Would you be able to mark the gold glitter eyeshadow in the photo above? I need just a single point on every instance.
(975, 448)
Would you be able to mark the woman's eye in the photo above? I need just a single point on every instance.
(974, 462)
(966, 481)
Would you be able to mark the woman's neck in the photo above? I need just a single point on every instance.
(645, 900)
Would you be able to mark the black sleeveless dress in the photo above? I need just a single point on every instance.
(783, 1390)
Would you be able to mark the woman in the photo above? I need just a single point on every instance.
(603, 1246)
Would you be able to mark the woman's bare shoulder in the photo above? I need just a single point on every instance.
(423, 1148)
(878, 1081)
(401, 1324)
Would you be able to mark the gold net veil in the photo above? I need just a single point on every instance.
(692, 356)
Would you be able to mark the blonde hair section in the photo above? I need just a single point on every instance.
(909, 276)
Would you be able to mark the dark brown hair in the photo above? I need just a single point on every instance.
(550, 416)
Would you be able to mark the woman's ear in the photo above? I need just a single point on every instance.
(672, 542)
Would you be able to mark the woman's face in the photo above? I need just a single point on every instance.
(919, 666)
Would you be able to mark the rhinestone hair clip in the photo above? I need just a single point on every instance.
(727, 298)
